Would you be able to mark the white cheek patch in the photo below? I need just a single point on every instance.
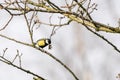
(47, 42)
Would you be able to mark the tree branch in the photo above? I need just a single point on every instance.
(46, 52)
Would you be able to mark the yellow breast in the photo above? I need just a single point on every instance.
(41, 43)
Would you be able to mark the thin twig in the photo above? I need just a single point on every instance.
(7, 23)
(27, 71)
(102, 37)
(32, 17)
(53, 5)
(15, 58)
(4, 51)
(28, 26)
(19, 57)
(6, 37)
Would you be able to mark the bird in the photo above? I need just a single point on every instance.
(41, 43)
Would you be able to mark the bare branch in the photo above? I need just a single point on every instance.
(52, 56)
(2, 59)
(102, 37)
(15, 58)
(4, 51)
(6, 24)
(14, 40)
(30, 33)
(19, 57)
(46, 52)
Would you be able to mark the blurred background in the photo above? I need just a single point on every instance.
(88, 56)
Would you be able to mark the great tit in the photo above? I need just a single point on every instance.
(43, 43)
